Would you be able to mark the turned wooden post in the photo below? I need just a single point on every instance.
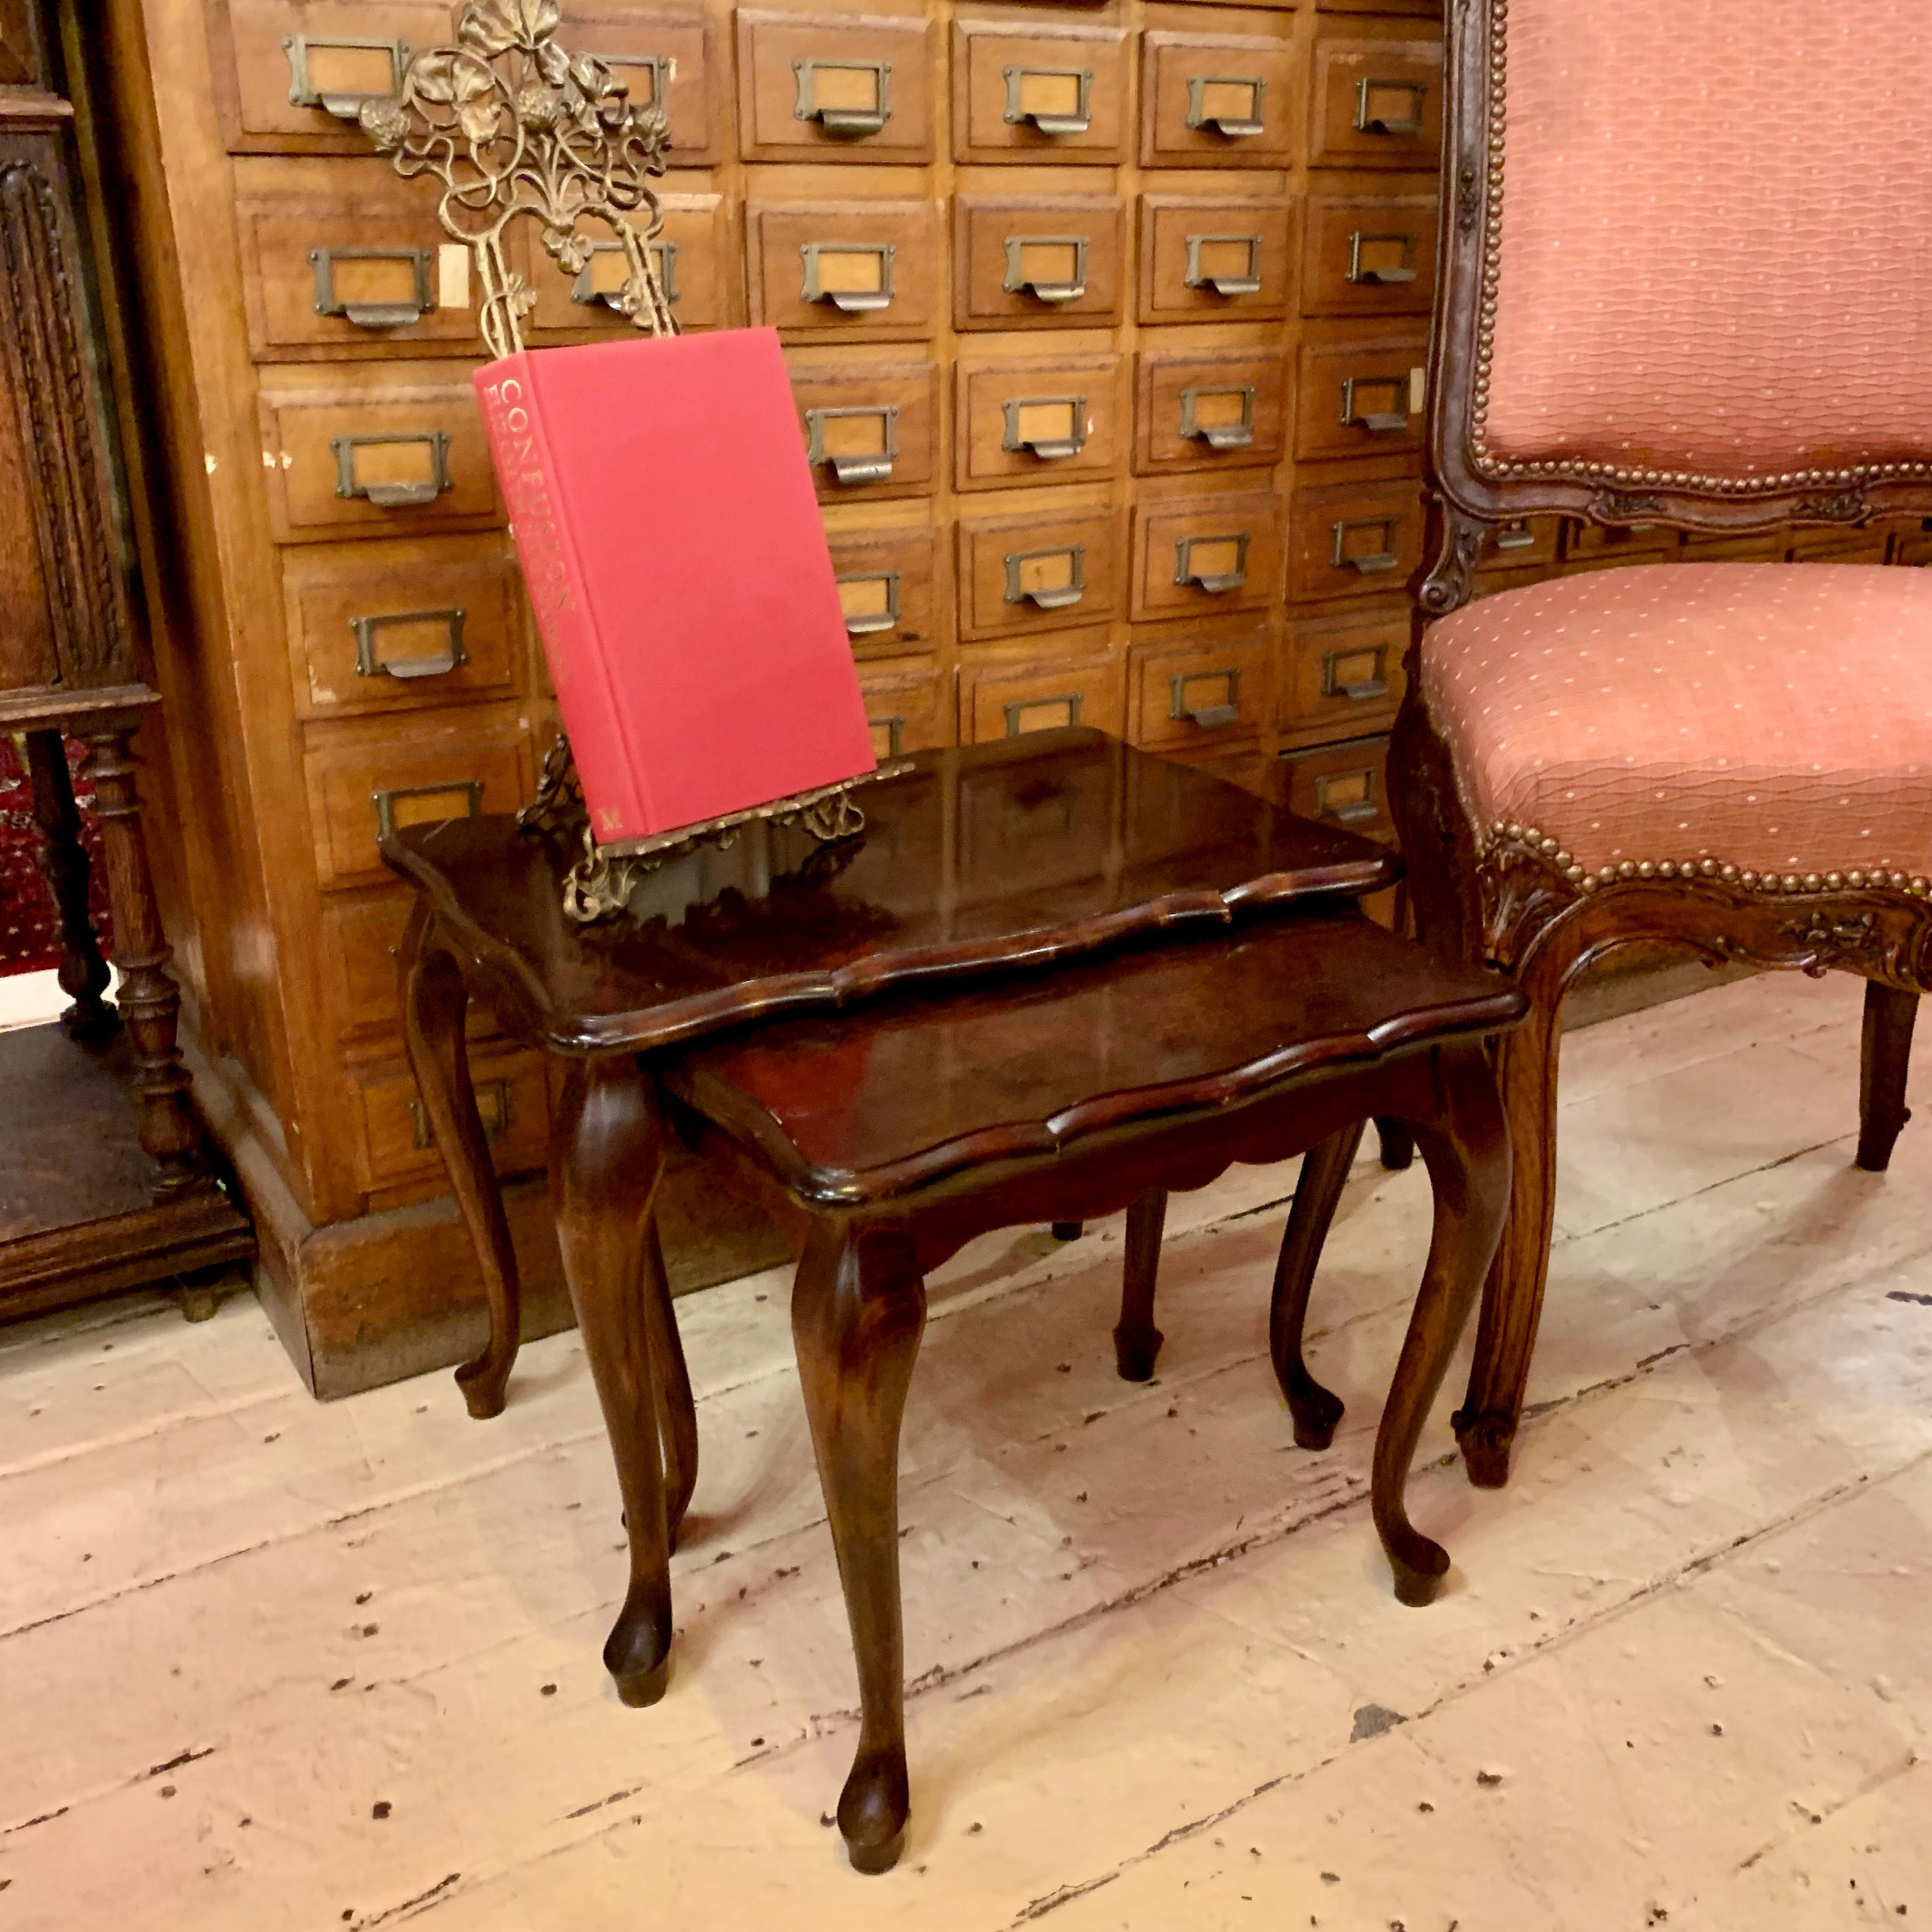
(68, 871)
(150, 1002)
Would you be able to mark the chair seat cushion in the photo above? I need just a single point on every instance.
(1777, 717)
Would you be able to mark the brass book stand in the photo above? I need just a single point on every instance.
(512, 125)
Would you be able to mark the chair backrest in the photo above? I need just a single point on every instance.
(1686, 274)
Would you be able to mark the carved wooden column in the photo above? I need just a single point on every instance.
(69, 660)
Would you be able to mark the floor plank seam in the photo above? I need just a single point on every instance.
(1557, 1639)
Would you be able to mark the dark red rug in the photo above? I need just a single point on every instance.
(29, 934)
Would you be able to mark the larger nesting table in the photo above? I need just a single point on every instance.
(1052, 980)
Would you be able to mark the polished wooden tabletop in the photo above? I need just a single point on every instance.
(855, 1108)
(1016, 853)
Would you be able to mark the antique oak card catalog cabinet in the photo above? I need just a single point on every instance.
(1106, 324)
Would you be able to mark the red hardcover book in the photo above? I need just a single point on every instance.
(664, 517)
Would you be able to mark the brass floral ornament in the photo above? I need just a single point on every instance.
(512, 125)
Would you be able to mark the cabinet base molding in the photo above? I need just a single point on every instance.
(360, 1304)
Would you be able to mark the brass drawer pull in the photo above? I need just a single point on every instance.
(1049, 448)
(385, 802)
(1358, 691)
(1349, 811)
(1208, 717)
(394, 313)
(585, 289)
(1377, 422)
(1215, 582)
(1223, 435)
(1369, 563)
(1017, 708)
(820, 256)
(394, 495)
(1236, 126)
(852, 468)
(1021, 280)
(1515, 536)
(1076, 119)
(1369, 122)
(894, 730)
(661, 68)
(869, 623)
(346, 75)
(493, 1108)
(1247, 281)
(369, 664)
(847, 119)
(1373, 277)
(1047, 596)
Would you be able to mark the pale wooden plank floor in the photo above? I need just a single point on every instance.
(265, 1664)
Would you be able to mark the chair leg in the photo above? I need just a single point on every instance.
(1398, 1145)
(1486, 1425)
(858, 1310)
(1467, 1152)
(1886, 1060)
(1324, 1169)
(1068, 1230)
(1136, 1340)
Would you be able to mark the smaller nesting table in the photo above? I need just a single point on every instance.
(1053, 980)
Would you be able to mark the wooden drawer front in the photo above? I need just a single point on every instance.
(373, 626)
(1773, 547)
(1195, 411)
(1195, 696)
(869, 432)
(1025, 574)
(1040, 94)
(1839, 546)
(1044, 421)
(1204, 554)
(1035, 263)
(848, 268)
(398, 1147)
(343, 255)
(1913, 544)
(1354, 540)
(692, 253)
(1347, 676)
(1528, 542)
(302, 68)
(1360, 398)
(367, 778)
(1344, 783)
(1428, 9)
(377, 457)
(1214, 261)
(1616, 540)
(910, 711)
(666, 57)
(888, 586)
(815, 87)
(1217, 101)
(1369, 256)
(1377, 103)
(361, 957)
(1012, 701)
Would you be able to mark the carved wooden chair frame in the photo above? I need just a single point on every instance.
(1508, 893)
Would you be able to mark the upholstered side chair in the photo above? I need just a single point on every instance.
(1684, 283)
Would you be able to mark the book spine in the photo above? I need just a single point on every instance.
(580, 671)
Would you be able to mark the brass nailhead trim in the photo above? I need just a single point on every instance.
(1508, 836)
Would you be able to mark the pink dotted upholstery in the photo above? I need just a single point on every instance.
(1777, 717)
(1713, 236)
